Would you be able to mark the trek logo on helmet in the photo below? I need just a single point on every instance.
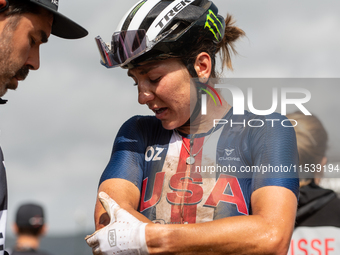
(177, 7)
(214, 28)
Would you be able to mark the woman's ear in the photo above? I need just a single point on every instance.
(203, 66)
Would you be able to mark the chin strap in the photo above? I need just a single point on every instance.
(5, 8)
(2, 101)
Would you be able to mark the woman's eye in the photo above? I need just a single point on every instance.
(135, 82)
(156, 80)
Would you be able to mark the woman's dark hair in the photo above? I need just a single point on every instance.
(225, 48)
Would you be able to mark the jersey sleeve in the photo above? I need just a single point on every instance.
(127, 155)
(274, 150)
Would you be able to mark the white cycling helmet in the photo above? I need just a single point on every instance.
(160, 29)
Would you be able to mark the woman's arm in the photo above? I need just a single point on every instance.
(125, 193)
(267, 231)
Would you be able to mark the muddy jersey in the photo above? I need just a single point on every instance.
(237, 157)
(3, 203)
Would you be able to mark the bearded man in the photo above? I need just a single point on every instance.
(24, 26)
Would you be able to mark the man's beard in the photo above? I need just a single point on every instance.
(8, 66)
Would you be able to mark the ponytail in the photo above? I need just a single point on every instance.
(226, 47)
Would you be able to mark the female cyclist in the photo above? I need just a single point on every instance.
(180, 168)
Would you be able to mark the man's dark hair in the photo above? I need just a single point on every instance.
(17, 7)
(30, 231)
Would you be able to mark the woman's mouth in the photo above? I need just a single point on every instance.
(160, 112)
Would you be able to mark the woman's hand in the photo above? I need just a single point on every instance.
(124, 234)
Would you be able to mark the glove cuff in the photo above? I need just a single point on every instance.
(144, 248)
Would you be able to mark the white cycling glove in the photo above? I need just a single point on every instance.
(125, 234)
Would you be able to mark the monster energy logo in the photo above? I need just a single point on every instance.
(211, 18)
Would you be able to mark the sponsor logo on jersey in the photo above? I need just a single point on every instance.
(153, 154)
(228, 153)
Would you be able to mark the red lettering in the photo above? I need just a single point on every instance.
(187, 190)
(156, 192)
(301, 248)
(183, 214)
(315, 248)
(217, 195)
(327, 249)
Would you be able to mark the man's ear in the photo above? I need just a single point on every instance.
(15, 228)
(44, 229)
(3, 5)
(203, 66)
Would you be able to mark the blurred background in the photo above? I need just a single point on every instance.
(58, 128)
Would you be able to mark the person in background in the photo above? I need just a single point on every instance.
(317, 227)
(24, 26)
(29, 227)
